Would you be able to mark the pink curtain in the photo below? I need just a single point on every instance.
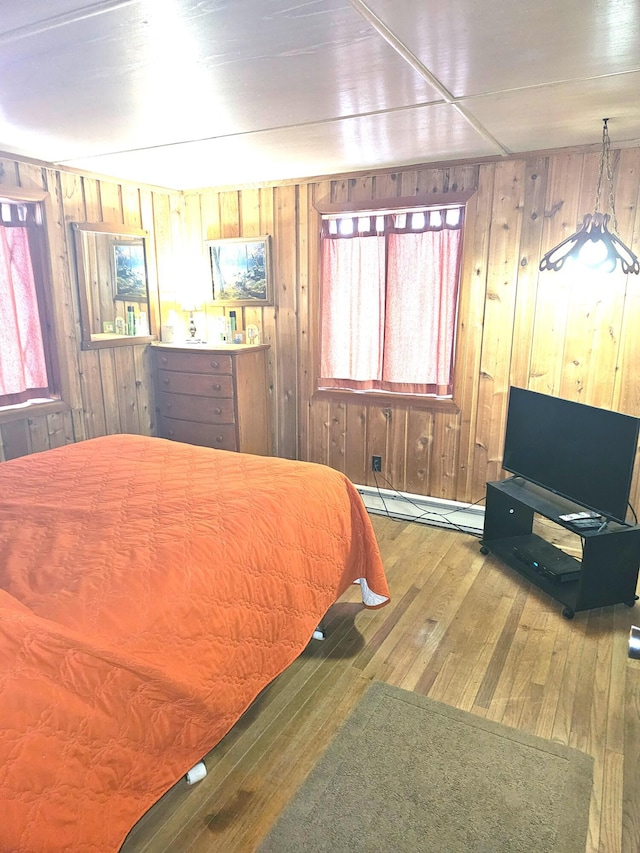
(352, 311)
(23, 372)
(422, 296)
(389, 306)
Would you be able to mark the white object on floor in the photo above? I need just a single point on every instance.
(197, 772)
(369, 597)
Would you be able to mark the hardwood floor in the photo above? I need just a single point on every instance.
(461, 628)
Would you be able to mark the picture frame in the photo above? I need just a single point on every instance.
(130, 271)
(241, 270)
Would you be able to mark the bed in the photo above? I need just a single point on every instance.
(149, 590)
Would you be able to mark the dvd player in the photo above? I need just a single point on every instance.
(555, 570)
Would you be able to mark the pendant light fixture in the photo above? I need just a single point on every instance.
(594, 245)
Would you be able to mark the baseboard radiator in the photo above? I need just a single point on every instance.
(424, 510)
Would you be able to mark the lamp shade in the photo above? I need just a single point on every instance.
(593, 245)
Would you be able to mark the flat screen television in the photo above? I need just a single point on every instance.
(584, 453)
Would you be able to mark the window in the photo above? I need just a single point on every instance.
(26, 363)
(389, 297)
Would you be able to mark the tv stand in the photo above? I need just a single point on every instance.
(608, 571)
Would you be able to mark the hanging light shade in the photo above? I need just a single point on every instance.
(593, 245)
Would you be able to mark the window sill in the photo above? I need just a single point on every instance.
(367, 398)
(34, 409)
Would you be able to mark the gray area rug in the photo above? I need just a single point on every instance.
(406, 773)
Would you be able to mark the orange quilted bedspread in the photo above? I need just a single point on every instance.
(148, 591)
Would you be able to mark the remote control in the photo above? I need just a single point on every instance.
(572, 516)
(587, 523)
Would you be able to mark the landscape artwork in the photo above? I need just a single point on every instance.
(240, 270)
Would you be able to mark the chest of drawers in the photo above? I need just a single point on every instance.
(213, 396)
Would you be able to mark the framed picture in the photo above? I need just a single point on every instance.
(241, 270)
(131, 271)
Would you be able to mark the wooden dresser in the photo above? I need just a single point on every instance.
(213, 396)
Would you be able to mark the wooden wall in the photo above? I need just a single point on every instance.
(108, 390)
(551, 332)
(576, 338)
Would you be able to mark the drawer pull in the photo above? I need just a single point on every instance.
(219, 439)
(217, 411)
(215, 364)
(165, 380)
(164, 359)
(170, 432)
(217, 386)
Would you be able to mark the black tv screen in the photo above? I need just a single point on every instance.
(584, 453)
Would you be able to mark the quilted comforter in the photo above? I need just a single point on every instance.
(148, 591)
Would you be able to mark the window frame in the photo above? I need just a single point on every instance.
(39, 245)
(398, 204)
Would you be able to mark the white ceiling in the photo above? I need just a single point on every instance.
(196, 93)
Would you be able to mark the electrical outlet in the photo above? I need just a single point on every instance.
(376, 463)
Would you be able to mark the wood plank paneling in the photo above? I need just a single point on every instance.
(266, 319)
(497, 340)
(306, 257)
(9, 175)
(627, 388)
(337, 426)
(529, 256)
(284, 337)
(15, 439)
(108, 390)
(111, 202)
(552, 298)
(250, 212)
(545, 331)
(65, 308)
(471, 327)
(351, 416)
(131, 206)
(315, 410)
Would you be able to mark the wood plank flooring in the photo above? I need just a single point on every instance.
(463, 629)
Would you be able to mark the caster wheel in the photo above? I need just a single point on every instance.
(567, 613)
(484, 550)
(632, 603)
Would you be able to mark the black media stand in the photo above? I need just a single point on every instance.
(608, 571)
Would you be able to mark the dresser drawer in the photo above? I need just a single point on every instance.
(213, 396)
(194, 362)
(200, 384)
(207, 435)
(207, 410)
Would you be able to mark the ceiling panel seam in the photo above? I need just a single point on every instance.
(48, 24)
(258, 131)
(403, 51)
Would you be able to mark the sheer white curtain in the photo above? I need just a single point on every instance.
(23, 372)
(353, 310)
(389, 306)
(422, 295)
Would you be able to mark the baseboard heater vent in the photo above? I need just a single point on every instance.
(425, 510)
